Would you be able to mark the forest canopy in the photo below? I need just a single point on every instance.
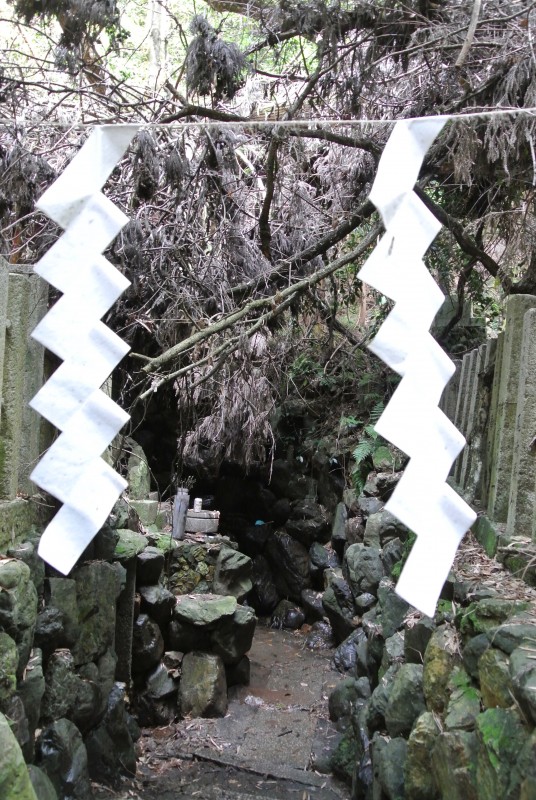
(247, 188)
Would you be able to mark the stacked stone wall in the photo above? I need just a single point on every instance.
(23, 301)
(492, 400)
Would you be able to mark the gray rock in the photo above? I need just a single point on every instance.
(441, 656)
(363, 568)
(308, 522)
(322, 558)
(389, 761)
(338, 526)
(364, 602)
(149, 566)
(158, 603)
(416, 638)
(320, 637)
(280, 476)
(105, 543)
(60, 593)
(301, 487)
(27, 552)
(16, 714)
(98, 585)
(464, 702)
(523, 773)
(15, 781)
(369, 505)
(110, 746)
(147, 644)
(379, 700)
(419, 781)
(18, 607)
(204, 610)
(289, 561)
(330, 575)
(49, 630)
(264, 596)
(472, 652)
(393, 651)
(233, 637)
(392, 554)
(232, 575)
(486, 614)
(280, 511)
(386, 483)
(348, 752)
(501, 737)
(9, 659)
(185, 638)
(41, 783)
(311, 603)
(345, 656)
(203, 686)
(406, 700)
(393, 609)
(511, 634)
(523, 676)
(454, 765)
(129, 544)
(339, 608)
(287, 615)
(494, 677)
(123, 516)
(347, 696)
(355, 532)
(138, 473)
(61, 686)
(31, 690)
(63, 757)
(382, 527)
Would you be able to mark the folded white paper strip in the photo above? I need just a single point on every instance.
(412, 420)
(73, 470)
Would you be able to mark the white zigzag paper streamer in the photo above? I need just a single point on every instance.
(73, 470)
(412, 420)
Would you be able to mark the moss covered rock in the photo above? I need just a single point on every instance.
(441, 656)
(484, 615)
(129, 544)
(9, 658)
(495, 682)
(420, 783)
(464, 701)
(15, 781)
(406, 701)
(454, 765)
(501, 737)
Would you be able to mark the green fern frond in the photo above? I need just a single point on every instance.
(377, 411)
(364, 449)
(369, 430)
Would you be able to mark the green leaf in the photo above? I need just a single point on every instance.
(364, 449)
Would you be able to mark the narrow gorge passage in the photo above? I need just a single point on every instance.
(264, 746)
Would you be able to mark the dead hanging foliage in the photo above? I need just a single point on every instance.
(212, 64)
(240, 401)
(80, 22)
(146, 167)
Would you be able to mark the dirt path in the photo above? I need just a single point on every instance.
(261, 748)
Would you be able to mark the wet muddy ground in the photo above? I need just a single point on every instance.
(262, 748)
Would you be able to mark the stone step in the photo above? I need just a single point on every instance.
(202, 521)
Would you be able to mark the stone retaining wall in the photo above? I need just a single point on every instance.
(23, 302)
(429, 709)
(492, 400)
